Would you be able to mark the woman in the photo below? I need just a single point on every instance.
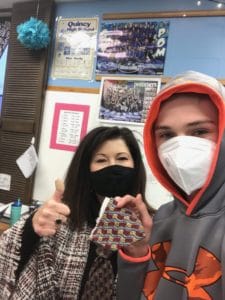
(185, 147)
(49, 255)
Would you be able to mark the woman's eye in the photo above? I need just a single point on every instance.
(122, 158)
(100, 160)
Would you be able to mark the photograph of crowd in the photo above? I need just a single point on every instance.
(125, 99)
(132, 48)
(4, 35)
(4, 40)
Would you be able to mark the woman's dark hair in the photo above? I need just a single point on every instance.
(79, 195)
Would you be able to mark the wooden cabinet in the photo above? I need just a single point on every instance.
(3, 226)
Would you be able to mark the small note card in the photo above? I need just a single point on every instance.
(5, 182)
(27, 162)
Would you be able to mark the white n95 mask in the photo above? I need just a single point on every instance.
(187, 160)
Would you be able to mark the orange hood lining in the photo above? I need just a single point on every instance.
(149, 141)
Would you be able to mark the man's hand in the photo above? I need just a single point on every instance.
(136, 204)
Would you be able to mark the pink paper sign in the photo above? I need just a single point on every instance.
(69, 125)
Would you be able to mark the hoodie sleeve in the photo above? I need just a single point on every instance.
(131, 275)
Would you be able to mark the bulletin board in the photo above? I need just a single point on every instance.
(53, 162)
(54, 157)
(196, 41)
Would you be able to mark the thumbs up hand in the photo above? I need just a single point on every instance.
(52, 213)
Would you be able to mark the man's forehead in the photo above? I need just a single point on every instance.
(187, 106)
(186, 96)
(183, 100)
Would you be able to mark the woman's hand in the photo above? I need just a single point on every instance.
(53, 212)
(136, 204)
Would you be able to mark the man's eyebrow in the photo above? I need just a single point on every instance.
(192, 124)
(196, 123)
(161, 127)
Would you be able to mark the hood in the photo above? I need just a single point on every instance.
(190, 81)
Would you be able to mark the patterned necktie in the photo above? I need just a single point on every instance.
(100, 283)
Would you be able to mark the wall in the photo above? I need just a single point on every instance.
(194, 43)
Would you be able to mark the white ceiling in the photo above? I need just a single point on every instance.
(4, 4)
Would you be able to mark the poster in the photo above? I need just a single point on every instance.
(4, 40)
(69, 125)
(27, 162)
(5, 182)
(132, 48)
(75, 47)
(126, 99)
(4, 35)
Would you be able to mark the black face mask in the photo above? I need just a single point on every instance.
(113, 181)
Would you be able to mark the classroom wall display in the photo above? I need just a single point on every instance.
(75, 47)
(53, 163)
(4, 40)
(132, 48)
(4, 34)
(69, 126)
(126, 99)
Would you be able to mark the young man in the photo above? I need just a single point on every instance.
(185, 148)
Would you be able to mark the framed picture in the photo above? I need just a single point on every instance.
(75, 48)
(132, 48)
(126, 99)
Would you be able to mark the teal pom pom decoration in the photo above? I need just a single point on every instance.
(33, 34)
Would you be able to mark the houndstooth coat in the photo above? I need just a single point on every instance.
(54, 271)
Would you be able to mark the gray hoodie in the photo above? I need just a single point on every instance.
(187, 242)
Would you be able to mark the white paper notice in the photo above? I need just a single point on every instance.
(5, 182)
(27, 162)
(69, 129)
